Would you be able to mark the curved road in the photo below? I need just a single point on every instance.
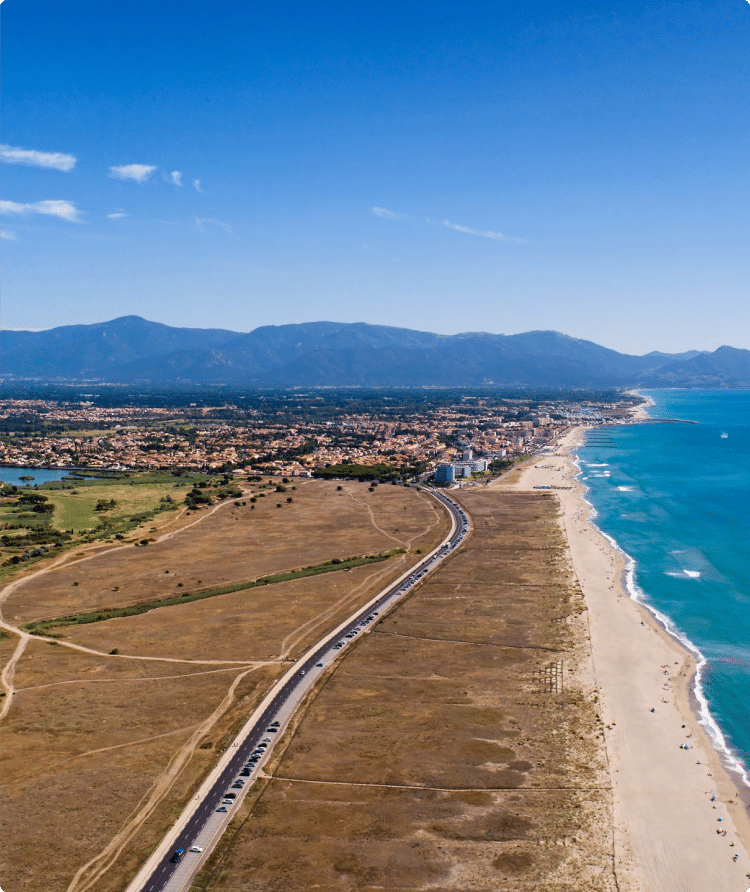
(201, 824)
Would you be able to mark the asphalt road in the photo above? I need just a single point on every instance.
(170, 875)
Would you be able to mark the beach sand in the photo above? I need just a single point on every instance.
(665, 819)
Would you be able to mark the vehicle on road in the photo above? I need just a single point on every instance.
(284, 698)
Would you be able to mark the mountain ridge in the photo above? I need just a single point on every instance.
(133, 350)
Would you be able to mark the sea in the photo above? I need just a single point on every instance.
(676, 499)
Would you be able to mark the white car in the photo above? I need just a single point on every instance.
(197, 849)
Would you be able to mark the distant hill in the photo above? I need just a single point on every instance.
(76, 352)
(134, 350)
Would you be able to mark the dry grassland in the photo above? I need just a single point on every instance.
(446, 752)
(236, 544)
(265, 623)
(83, 745)
(100, 752)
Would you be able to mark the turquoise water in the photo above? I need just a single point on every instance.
(676, 499)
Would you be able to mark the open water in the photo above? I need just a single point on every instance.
(40, 475)
(676, 499)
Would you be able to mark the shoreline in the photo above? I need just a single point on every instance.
(699, 702)
(665, 821)
(639, 413)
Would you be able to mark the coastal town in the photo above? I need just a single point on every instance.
(469, 432)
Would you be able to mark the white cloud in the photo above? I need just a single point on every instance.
(176, 177)
(117, 215)
(197, 185)
(483, 233)
(201, 221)
(138, 172)
(32, 158)
(386, 214)
(7, 234)
(66, 210)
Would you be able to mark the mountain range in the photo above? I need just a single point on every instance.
(132, 350)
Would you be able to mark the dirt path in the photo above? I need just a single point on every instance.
(136, 678)
(89, 874)
(554, 650)
(9, 671)
(437, 520)
(299, 633)
(422, 787)
(106, 749)
(374, 522)
(96, 551)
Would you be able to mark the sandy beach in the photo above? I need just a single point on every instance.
(679, 820)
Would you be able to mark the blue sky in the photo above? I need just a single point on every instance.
(444, 166)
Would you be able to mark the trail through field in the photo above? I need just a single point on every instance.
(428, 787)
(9, 672)
(136, 678)
(306, 628)
(106, 749)
(427, 529)
(293, 638)
(89, 874)
(374, 522)
(96, 551)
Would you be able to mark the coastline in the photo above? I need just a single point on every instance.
(640, 413)
(665, 819)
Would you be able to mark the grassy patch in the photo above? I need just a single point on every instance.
(77, 510)
(41, 627)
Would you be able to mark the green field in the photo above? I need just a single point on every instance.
(75, 509)
(85, 509)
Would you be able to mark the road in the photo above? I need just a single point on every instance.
(201, 824)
